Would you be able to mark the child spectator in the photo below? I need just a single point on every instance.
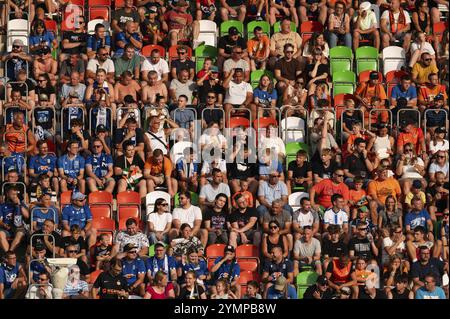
(358, 196)
(102, 251)
(245, 192)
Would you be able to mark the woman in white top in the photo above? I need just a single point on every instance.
(419, 46)
(317, 40)
(272, 141)
(393, 245)
(410, 167)
(159, 222)
(382, 144)
(438, 143)
(439, 164)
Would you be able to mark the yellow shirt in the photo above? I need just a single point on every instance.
(410, 196)
(422, 72)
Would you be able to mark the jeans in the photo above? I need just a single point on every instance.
(153, 240)
(347, 38)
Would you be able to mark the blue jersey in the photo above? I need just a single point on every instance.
(76, 216)
(39, 216)
(417, 219)
(265, 97)
(165, 264)
(37, 268)
(272, 293)
(438, 293)
(200, 269)
(188, 168)
(409, 94)
(100, 163)
(8, 274)
(44, 164)
(10, 214)
(94, 43)
(131, 269)
(46, 38)
(14, 162)
(71, 167)
(231, 269)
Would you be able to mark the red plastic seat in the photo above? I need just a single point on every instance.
(128, 205)
(93, 3)
(80, 3)
(308, 28)
(128, 198)
(100, 197)
(239, 121)
(215, 250)
(93, 276)
(126, 212)
(246, 276)
(394, 76)
(439, 28)
(99, 13)
(263, 122)
(248, 264)
(364, 76)
(247, 250)
(66, 198)
(147, 50)
(103, 223)
(119, 3)
(51, 25)
(100, 211)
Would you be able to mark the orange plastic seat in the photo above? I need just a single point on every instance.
(147, 50)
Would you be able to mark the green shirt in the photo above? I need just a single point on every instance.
(122, 65)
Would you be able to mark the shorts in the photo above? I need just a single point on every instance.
(9, 293)
(7, 233)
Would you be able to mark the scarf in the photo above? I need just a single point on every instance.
(156, 267)
(401, 20)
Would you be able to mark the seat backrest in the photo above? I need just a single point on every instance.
(208, 26)
(66, 198)
(100, 197)
(247, 250)
(103, 223)
(147, 50)
(100, 211)
(215, 250)
(366, 52)
(311, 27)
(253, 24)
(277, 27)
(263, 122)
(177, 150)
(364, 76)
(306, 278)
(239, 121)
(17, 25)
(341, 52)
(394, 76)
(128, 197)
(206, 51)
(153, 196)
(294, 198)
(99, 13)
(92, 3)
(226, 25)
(344, 76)
(93, 23)
(393, 52)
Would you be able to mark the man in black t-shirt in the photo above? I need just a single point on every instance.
(227, 43)
(121, 16)
(437, 195)
(47, 241)
(242, 170)
(334, 247)
(77, 241)
(131, 132)
(215, 221)
(243, 223)
(128, 170)
(325, 168)
(299, 172)
(183, 62)
(362, 245)
(287, 69)
(111, 284)
(358, 164)
(74, 42)
(210, 83)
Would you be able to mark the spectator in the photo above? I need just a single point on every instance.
(430, 290)
(157, 64)
(317, 9)
(17, 60)
(183, 62)
(305, 216)
(439, 164)
(159, 222)
(13, 282)
(71, 64)
(258, 49)
(424, 266)
(429, 91)
(158, 172)
(420, 46)
(128, 61)
(400, 290)
(44, 64)
(272, 239)
(340, 275)
(160, 288)
(281, 290)
(236, 62)
(132, 235)
(272, 190)
(365, 26)
(75, 288)
(153, 89)
(99, 169)
(71, 169)
(111, 284)
(208, 85)
(161, 262)
(208, 192)
(287, 68)
(358, 163)
(182, 85)
(192, 290)
(395, 26)
(326, 188)
(74, 42)
(332, 245)
(40, 37)
(44, 210)
(418, 216)
(151, 26)
(133, 268)
(102, 252)
(18, 136)
(363, 244)
(121, 16)
(243, 223)
(307, 252)
(238, 93)
(100, 61)
(423, 68)
(216, 220)
(391, 214)
(181, 24)
(233, 9)
(320, 290)
(226, 45)
(252, 290)
(100, 39)
(339, 26)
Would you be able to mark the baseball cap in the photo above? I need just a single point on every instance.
(153, 9)
(129, 247)
(229, 248)
(101, 128)
(280, 283)
(373, 75)
(18, 42)
(160, 244)
(365, 6)
(363, 209)
(439, 97)
(417, 184)
(39, 247)
(322, 280)
(129, 99)
(45, 50)
(78, 196)
(214, 69)
(440, 130)
(233, 31)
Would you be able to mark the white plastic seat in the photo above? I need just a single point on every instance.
(18, 25)
(177, 150)
(91, 25)
(393, 58)
(294, 199)
(293, 129)
(151, 198)
(23, 37)
(208, 32)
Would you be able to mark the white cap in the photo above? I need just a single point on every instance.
(365, 6)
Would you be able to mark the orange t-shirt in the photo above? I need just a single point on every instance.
(366, 91)
(382, 189)
(414, 137)
(427, 93)
(355, 195)
(326, 188)
(156, 169)
(258, 48)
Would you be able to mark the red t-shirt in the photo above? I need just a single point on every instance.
(326, 188)
(156, 295)
(174, 25)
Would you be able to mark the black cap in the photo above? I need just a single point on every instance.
(439, 97)
(128, 99)
(440, 130)
(101, 128)
(322, 280)
(129, 247)
(373, 75)
(233, 31)
(39, 247)
(229, 248)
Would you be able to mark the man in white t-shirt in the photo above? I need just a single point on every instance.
(238, 93)
(102, 61)
(236, 62)
(305, 216)
(209, 191)
(366, 26)
(396, 26)
(336, 215)
(159, 222)
(155, 64)
(188, 214)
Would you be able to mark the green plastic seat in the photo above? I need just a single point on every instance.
(344, 82)
(366, 59)
(253, 24)
(226, 25)
(304, 280)
(341, 59)
(256, 75)
(194, 199)
(277, 27)
(203, 52)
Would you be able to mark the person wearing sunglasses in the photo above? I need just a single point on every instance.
(159, 222)
(17, 59)
(75, 41)
(411, 133)
(45, 291)
(287, 68)
(99, 169)
(75, 288)
(227, 43)
(320, 290)
(44, 64)
(423, 68)
(133, 269)
(100, 61)
(409, 168)
(237, 62)
(100, 39)
(439, 164)
(13, 280)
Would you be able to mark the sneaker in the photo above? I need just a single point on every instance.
(259, 18)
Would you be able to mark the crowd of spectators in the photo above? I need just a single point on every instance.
(94, 112)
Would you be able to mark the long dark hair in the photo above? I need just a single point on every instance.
(158, 202)
(34, 26)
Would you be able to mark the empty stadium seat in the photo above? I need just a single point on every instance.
(293, 129)
(366, 59)
(208, 32)
(128, 205)
(341, 59)
(344, 82)
(304, 280)
(394, 58)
